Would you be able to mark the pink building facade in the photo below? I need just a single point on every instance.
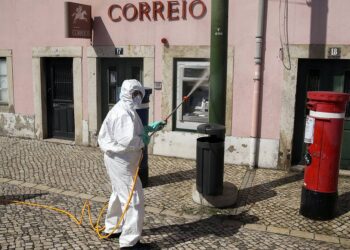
(54, 86)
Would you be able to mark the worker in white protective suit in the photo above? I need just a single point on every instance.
(121, 138)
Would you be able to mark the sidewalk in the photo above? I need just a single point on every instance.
(266, 215)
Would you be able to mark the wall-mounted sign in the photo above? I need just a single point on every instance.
(158, 10)
(158, 85)
(334, 52)
(79, 20)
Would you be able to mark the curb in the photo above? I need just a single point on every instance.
(299, 234)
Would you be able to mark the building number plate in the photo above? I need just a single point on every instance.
(334, 52)
(119, 51)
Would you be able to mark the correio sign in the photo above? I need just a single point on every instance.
(158, 10)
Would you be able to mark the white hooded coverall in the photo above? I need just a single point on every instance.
(120, 139)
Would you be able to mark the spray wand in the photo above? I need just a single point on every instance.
(184, 99)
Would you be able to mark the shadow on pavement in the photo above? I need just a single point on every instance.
(343, 204)
(7, 199)
(264, 191)
(218, 225)
(171, 178)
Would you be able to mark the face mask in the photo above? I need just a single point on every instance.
(137, 100)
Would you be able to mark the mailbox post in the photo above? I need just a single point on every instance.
(323, 136)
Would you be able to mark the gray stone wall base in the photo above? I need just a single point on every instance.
(17, 125)
(228, 197)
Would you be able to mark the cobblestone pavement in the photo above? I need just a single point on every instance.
(265, 216)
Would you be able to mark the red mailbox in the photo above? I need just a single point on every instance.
(323, 136)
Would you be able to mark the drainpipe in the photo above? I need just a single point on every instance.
(218, 61)
(259, 39)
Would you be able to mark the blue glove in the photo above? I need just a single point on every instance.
(147, 129)
(156, 126)
(145, 138)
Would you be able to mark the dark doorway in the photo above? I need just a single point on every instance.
(60, 104)
(320, 75)
(113, 72)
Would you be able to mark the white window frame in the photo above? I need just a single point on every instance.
(180, 68)
(8, 107)
(5, 102)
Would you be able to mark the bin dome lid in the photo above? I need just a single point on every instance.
(211, 129)
(328, 96)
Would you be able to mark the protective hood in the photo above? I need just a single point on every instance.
(128, 87)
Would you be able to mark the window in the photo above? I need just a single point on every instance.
(192, 77)
(113, 88)
(3, 81)
(115, 84)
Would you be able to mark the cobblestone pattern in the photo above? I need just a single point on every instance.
(174, 179)
(24, 227)
(275, 199)
(221, 232)
(56, 165)
(34, 228)
(266, 197)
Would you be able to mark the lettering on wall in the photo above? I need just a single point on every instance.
(158, 10)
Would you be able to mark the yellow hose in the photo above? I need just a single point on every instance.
(95, 227)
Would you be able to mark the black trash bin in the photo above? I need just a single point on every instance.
(143, 112)
(210, 159)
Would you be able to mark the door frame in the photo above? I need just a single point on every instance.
(39, 82)
(95, 54)
(327, 70)
(50, 102)
(289, 85)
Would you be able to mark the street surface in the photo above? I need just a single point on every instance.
(266, 215)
